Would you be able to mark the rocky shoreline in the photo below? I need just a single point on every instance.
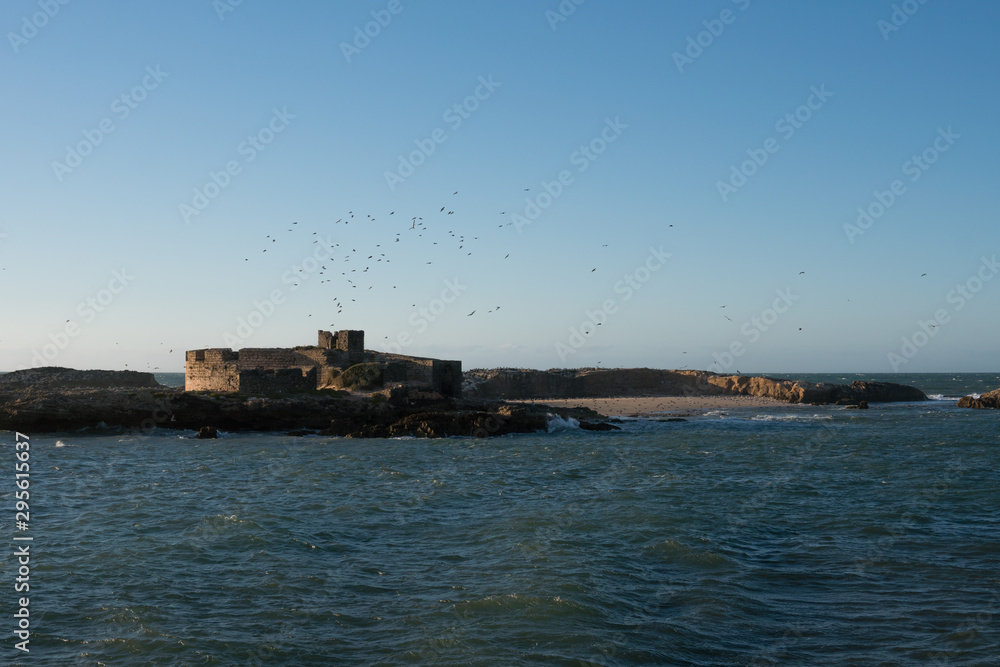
(31, 409)
(513, 384)
(59, 400)
(989, 400)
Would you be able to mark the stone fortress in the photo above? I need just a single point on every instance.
(265, 370)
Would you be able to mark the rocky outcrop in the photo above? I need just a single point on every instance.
(988, 400)
(56, 377)
(514, 384)
(473, 422)
(319, 411)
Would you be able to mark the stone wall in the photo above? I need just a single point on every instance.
(439, 375)
(407, 371)
(266, 358)
(258, 381)
(305, 356)
(211, 370)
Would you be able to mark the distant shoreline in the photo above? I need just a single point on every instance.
(653, 406)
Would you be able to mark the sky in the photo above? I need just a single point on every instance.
(727, 185)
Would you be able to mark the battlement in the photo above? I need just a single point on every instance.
(215, 354)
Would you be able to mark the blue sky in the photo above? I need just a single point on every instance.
(118, 116)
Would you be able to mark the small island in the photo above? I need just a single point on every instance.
(338, 388)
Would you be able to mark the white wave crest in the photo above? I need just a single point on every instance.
(557, 423)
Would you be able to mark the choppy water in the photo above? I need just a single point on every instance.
(797, 535)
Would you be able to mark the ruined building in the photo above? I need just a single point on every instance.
(263, 370)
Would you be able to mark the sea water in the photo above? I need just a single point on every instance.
(786, 535)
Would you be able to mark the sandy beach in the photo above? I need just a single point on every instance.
(641, 406)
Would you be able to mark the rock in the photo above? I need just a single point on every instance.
(598, 426)
(988, 400)
(207, 433)
(57, 377)
(886, 392)
(513, 384)
(860, 405)
(474, 423)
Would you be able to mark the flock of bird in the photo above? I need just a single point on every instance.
(359, 267)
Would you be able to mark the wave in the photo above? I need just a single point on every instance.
(942, 397)
(557, 423)
(791, 418)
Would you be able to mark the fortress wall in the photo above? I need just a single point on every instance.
(418, 371)
(211, 370)
(406, 371)
(215, 354)
(321, 357)
(326, 378)
(266, 358)
(262, 381)
(444, 377)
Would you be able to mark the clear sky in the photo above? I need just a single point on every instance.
(647, 183)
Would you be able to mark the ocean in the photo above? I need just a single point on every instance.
(796, 535)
